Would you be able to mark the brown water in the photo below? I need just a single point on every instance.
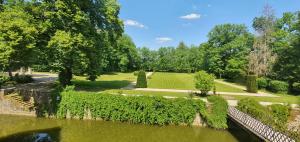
(16, 128)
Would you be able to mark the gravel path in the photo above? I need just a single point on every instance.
(230, 102)
(190, 91)
(242, 87)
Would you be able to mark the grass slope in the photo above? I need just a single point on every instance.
(104, 82)
(185, 81)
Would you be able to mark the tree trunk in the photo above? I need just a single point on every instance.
(65, 76)
(10, 72)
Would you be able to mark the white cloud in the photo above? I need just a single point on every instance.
(191, 16)
(163, 39)
(134, 23)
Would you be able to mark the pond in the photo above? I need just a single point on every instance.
(19, 128)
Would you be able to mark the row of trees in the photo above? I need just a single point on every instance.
(232, 52)
(225, 54)
(67, 36)
(86, 37)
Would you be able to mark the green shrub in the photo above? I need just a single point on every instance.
(135, 73)
(216, 117)
(251, 83)
(280, 113)
(3, 79)
(23, 78)
(204, 82)
(141, 80)
(296, 87)
(278, 86)
(143, 109)
(275, 117)
(253, 108)
(262, 83)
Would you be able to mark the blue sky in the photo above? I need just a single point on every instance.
(156, 23)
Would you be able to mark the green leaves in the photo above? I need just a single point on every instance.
(17, 38)
(216, 114)
(204, 82)
(147, 110)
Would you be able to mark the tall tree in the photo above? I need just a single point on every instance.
(79, 32)
(287, 66)
(227, 42)
(261, 58)
(17, 38)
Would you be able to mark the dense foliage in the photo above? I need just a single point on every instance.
(3, 79)
(147, 110)
(275, 115)
(216, 114)
(68, 36)
(280, 113)
(262, 83)
(141, 80)
(204, 82)
(251, 83)
(278, 86)
(22, 78)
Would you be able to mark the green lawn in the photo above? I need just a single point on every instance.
(183, 81)
(104, 82)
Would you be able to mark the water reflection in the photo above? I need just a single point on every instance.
(14, 127)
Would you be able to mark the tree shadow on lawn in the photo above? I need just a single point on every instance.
(96, 86)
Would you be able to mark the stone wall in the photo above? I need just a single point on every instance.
(7, 107)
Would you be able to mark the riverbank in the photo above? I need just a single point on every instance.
(15, 129)
(142, 109)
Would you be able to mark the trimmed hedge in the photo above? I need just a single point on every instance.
(216, 117)
(251, 83)
(277, 86)
(262, 83)
(143, 109)
(141, 80)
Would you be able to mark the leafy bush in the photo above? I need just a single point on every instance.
(141, 80)
(251, 83)
(204, 82)
(280, 113)
(278, 86)
(3, 79)
(262, 82)
(296, 87)
(143, 109)
(275, 117)
(135, 73)
(23, 78)
(253, 108)
(216, 116)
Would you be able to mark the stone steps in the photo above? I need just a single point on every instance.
(18, 101)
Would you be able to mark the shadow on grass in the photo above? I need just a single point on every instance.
(96, 86)
(28, 136)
